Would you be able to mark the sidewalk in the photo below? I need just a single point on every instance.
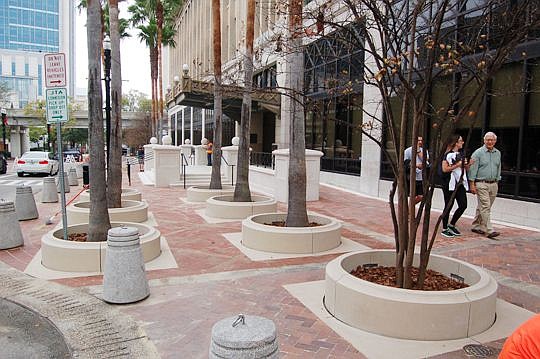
(214, 280)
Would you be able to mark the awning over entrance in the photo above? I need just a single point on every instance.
(195, 93)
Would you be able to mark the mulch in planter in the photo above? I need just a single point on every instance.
(78, 237)
(434, 281)
(282, 224)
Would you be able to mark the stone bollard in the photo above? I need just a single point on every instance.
(25, 205)
(11, 231)
(72, 177)
(243, 337)
(124, 280)
(49, 192)
(66, 183)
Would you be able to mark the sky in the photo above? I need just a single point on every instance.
(134, 57)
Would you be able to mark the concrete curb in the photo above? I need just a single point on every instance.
(90, 327)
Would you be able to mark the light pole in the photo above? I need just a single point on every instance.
(4, 114)
(107, 70)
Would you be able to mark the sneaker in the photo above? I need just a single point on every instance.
(454, 230)
(448, 233)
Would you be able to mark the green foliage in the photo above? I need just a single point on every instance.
(132, 100)
(36, 132)
(5, 92)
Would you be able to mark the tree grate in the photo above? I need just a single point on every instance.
(478, 350)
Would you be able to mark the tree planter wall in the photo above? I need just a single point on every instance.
(68, 256)
(302, 240)
(202, 193)
(131, 211)
(410, 314)
(128, 194)
(224, 207)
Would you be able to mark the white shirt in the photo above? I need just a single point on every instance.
(455, 175)
(408, 156)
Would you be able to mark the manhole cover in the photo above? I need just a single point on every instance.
(478, 350)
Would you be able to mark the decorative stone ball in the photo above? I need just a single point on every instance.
(153, 141)
(235, 141)
(187, 141)
(204, 141)
(167, 140)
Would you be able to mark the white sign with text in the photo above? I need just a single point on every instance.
(55, 70)
(57, 109)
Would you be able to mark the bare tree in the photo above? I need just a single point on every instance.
(411, 49)
(114, 170)
(215, 179)
(99, 222)
(241, 190)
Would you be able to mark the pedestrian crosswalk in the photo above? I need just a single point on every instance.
(18, 182)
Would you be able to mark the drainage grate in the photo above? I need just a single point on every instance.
(478, 350)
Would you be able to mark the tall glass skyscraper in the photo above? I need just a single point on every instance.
(28, 30)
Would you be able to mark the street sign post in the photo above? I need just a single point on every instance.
(55, 70)
(57, 112)
(57, 109)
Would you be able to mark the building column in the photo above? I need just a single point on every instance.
(183, 118)
(191, 126)
(203, 119)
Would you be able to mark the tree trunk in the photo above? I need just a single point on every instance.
(153, 75)
(296, 211)
(215, 180)
(99, 222)
(114, 170)
(241, 190)
(159, 18)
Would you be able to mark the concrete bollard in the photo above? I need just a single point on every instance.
(25, 205)
(124, 280)
(66, 183)
(11, 236)
(49, 192)
(244, 337)
(72, 177)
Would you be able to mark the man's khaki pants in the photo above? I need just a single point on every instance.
(485, 195)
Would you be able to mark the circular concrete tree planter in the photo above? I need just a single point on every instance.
(224, 207)
(410, 314)
(69, 256)
(131, 211)
(128, 194)
(202, 193)
(302, 240)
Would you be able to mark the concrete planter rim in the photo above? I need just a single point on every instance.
(224, 187)
(255, 199)
(407, 313)
(125, 204)
(299, 240)
(311, 217)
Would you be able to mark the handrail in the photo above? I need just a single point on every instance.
(232, 170)
(184, 164)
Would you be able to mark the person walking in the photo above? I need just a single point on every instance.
(209, 148)
(454, 164)
(407, 157)
(484, 175)
(140, 157)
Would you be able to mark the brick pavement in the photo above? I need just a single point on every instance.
(215, 280)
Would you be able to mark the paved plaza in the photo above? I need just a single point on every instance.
(204, 277)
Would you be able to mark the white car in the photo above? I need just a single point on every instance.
(37, 162)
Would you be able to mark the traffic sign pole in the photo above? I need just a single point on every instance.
(61, 178)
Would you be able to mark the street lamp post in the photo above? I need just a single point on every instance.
(4, 114)
(107, 68)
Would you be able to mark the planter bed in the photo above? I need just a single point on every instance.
(69, 256)
(302, 240)
(410, 314)
(224, 207)
(131, 211)
(202, 193)
(128, 194)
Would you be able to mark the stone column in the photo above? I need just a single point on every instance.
(11, 231)
(230, 154)
(186, 150)
(167, 163)
(313, 169)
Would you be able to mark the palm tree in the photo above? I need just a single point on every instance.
(99, 222)
(296, 211)
(215, 179)
(241, 190)
(155, 20)
(114, 169)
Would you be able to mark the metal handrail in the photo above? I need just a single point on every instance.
(232, 170)
(184, 164)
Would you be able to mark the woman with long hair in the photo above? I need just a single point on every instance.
(456, 165)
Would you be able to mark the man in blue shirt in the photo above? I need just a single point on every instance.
(484, 175)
